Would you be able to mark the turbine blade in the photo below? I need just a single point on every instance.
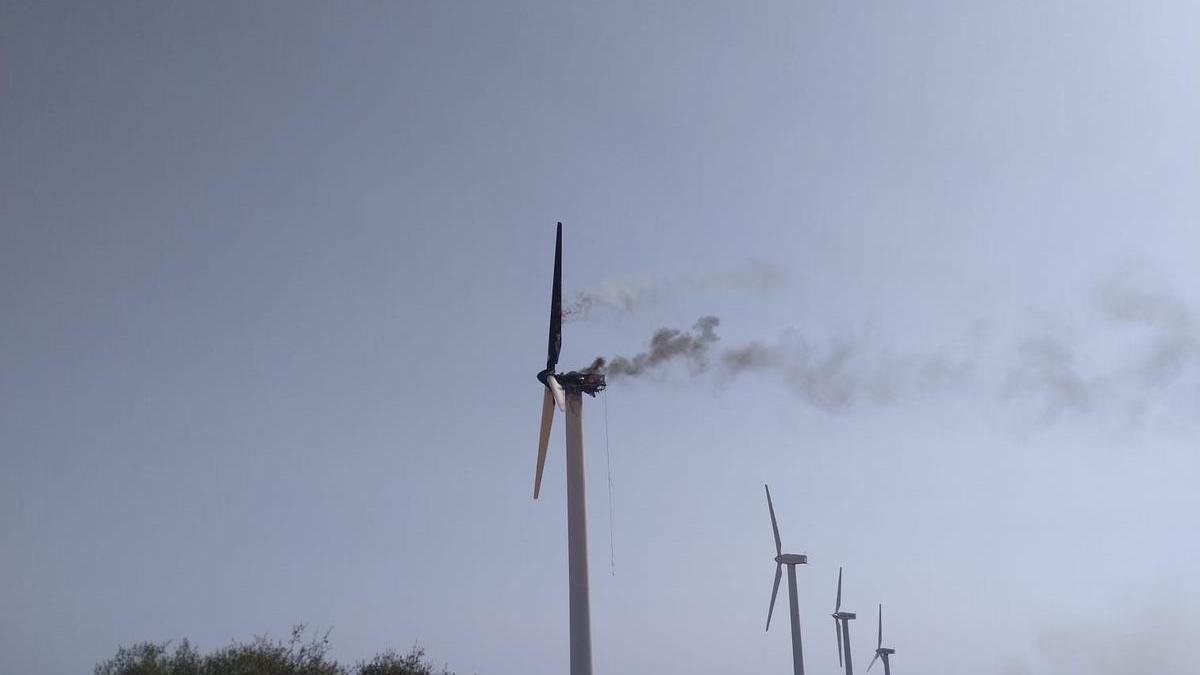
(838, 606)
(838, 624)
(543, 440)
(774, 524)
(560, 397)
(880, 643)
(774, 592)
(872, 663)
(555, 341)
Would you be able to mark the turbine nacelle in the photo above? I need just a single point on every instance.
(844, 616)
(791, 559)
(587, 381)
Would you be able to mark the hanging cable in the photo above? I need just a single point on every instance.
(612, 552)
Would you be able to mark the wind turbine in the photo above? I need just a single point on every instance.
(842, 621)
(882, 652)
(791, 560)
(566, 391)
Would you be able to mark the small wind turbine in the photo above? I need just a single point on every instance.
(791, 560)
(842, 621)
(566, 391)
(882, 652)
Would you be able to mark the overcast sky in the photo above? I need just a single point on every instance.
(274, 283)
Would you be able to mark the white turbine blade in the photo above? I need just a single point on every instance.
(872, 663)
(774, 592)
(774, 525)
(543, 440)
(838, 624)
(560, 398)
(838, 607)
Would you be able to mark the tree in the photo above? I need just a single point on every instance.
(148, 658)
(392, 663)
(260, 656)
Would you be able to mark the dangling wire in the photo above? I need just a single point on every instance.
(612, 552)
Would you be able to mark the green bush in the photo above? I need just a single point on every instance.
(260, 656)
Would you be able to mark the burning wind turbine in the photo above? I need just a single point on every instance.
(565, 390)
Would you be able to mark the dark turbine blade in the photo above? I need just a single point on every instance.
(555, 342)
(880, 643)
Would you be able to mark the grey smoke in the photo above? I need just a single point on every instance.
(756, 278)
(1153, 640)
(668, 345)
(1139, 354)
(1040, 377)
(1170, 322)
(832, 375)
(848, 370)
(1045, 372)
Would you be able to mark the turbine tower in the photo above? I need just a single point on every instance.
(842, 621)
(566, 391)
(882, 652)
(791, 560)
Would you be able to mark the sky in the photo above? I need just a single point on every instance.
(274, 282)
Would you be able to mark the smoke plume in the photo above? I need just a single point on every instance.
(756, 278)
(1152, 640)
(1136, 350)
(833, 375)
(666, 346)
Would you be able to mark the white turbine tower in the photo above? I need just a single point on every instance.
(566, 391)
(791, 560)
(882, 652)
(842, 621)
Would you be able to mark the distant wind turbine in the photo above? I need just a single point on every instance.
(842, 621)
(791, 560)
(566, 391)
(882, 652)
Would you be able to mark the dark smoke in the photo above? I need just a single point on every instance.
(1039, 378)
(836, 375)
(666, 346)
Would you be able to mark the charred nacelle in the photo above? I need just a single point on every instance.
(588, 382)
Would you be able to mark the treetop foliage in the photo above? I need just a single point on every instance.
(260, 656)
